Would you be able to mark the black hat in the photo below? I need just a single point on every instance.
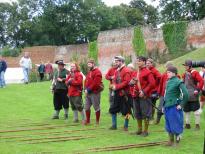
(60, 62)
(188, 63)
(142, 58)
(172, 69)
(119, 58)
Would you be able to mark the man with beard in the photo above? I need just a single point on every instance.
(93, 88)
(74, 82)
(194, 84)
(121, 89)
(144, 83)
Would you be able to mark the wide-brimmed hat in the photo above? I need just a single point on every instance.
(60, 62)
(187, 63)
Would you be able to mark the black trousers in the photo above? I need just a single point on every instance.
(41, 76)
(121, 104)
(60, 99)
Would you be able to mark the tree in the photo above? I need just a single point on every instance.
(174, 10)
(149, 13)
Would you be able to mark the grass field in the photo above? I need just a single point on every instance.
(26, 127)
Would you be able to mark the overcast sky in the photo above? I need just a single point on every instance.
(111, 2)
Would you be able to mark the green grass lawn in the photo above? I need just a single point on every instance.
(197, 55)
(29, 108)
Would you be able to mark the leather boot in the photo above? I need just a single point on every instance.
(97, 114)
(187, 126)
(197, 127)
(171, 140)
(139, 123)
(146, 125)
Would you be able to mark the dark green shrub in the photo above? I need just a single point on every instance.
(83, 65)
(139, 42)
(10, 52)
(93, 51)
(174, 34)
(33, 75)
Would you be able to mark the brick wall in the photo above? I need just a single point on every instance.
(112, 43)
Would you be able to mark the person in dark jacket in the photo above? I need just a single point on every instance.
(59, 89)
(41, 70)
(121, 90)
(110, 77)
(194, 84)
(3, 67)
(176, 96)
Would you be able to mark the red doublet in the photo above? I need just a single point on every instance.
(197, 78)
(157, 77)
(110, 73)
(93, 80)
(124, 75)
(162, 84)
(146, 81)
(76, 84)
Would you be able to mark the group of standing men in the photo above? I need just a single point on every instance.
(140, 88)
(133, 92)
(70, 84)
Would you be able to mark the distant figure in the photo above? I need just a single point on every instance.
(41, 71)
(26, 65)
(49, 70)
(3, 67)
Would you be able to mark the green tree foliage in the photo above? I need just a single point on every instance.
(93, 51)
(149, 13)
(10, 52)
(139, 42)
(174, 34)
(174, 10)
(58, 22)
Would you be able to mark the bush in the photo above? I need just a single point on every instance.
(174, 34)
(93, 51)
(33, 75)
(138, 42)
(9, 52)
(83, 65)
(128, 59)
